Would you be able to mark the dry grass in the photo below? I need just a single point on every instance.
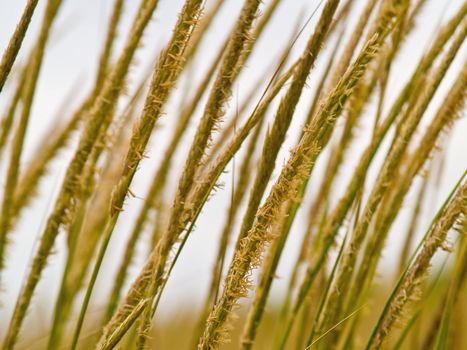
(345, 215)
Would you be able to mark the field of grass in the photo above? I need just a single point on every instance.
(327, 152)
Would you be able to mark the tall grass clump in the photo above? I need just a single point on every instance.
(277, 177)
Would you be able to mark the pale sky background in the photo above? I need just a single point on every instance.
(71, 60)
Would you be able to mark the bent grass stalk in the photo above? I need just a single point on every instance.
(28, 93)
(200, 192)
(165, 75)
(276, 136)
(239, 194)
(442, 339)
(311, 221)
(414, 276)
(401, 123)
(211, 117)
(283, 118)
(88, 223)
(390, 15)
(248, 256)
(102, 107)
(382, 185)
(385, 217)
(185, 117)
(9, 56)
(435, 219)
(7, 120)
(339, 213)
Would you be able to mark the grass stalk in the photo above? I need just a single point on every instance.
(9, 56)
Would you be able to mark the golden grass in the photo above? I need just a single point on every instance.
(333, 280)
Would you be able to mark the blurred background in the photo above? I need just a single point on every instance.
(67, 75)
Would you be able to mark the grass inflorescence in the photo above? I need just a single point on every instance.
(321, 144)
